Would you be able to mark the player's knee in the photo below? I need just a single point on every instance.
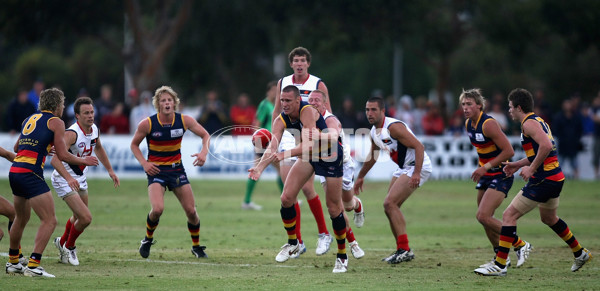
(287, 201)
(509, 216)
(334, 211)
(349, 205)
(156, 211)
(549, 220)
(50, 222)
(309, 194)
(483, 218)
(388, 206)
(85, 220)
(191, 213)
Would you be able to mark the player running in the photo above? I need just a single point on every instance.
(493, 184)
(70, 181)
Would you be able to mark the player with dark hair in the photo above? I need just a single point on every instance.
(324, 159)
(414, 168)
(70, 181)
(300, 59)
(545, 179)
(39, 132)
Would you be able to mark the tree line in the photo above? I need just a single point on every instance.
(237, 46)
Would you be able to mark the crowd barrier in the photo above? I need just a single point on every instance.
(230, 157)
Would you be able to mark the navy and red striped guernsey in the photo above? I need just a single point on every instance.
(34, 143)
(320, 123)
(487, 150)
(550, 169)
(164, 140)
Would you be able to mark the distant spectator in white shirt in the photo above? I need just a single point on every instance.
(141, 111)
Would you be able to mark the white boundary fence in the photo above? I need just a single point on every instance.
(230, 157)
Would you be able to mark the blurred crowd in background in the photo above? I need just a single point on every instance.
(576, 117)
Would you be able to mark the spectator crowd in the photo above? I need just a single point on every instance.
(576, 118)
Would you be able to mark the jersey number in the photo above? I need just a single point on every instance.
(31, 123)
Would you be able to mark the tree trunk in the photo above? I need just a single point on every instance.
(145, 55)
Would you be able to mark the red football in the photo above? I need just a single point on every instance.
(261, 138)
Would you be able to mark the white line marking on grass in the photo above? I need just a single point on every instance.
(6, 255)
(204, 264)
(190, 263)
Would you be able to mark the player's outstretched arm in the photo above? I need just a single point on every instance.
(10, 156)
(270, 153)
(367, 165)
(198, 130)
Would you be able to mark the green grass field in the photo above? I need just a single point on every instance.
(447, 240)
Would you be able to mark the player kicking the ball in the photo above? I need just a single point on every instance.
(70, 181)
(305, 121)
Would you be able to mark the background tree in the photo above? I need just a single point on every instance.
(238, 46)
(153, 37)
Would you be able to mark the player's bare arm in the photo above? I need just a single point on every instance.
(10, 156)
(334, 128)
(511, 167)
(492, 129)
(270, 153)
(70, 138)
(103, 157)
(140, 134)
(370, 160)
(198, 130)
(58, 127)
(399, 132)
(310, 133)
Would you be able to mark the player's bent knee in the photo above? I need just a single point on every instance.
(484, 219)
(334, 211)
(50, 222)
(85, 220)
(388, 206)
(349, 205)
(287, 200)
(549, 220)
(156, 211)
(191, 213)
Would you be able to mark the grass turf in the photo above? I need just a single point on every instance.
(447, 240)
